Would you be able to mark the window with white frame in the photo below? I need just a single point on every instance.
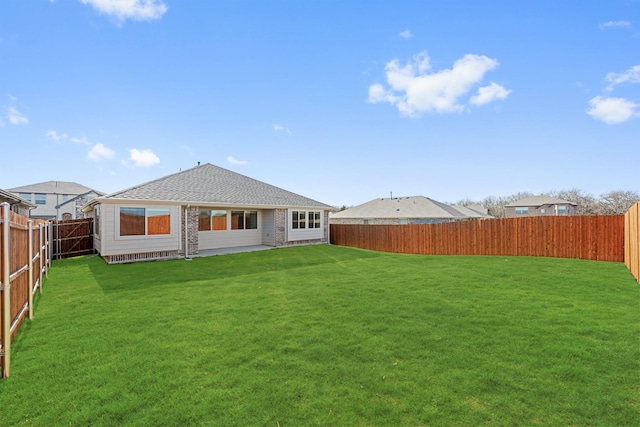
(96, 221)
(305, 219)
(562, 209)
(244, 220)
(41, 199)
(144, 221)
(26, 196)
(212, 220)
(522, 211)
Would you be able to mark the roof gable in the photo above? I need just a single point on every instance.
(210, 184)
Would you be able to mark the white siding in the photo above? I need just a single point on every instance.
(97, 238)
(114, 244)
(305, 233)
(269, 227)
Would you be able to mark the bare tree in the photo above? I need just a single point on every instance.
(587, 204)
(617, 202)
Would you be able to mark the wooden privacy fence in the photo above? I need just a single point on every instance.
(25, 257)
(72, 237)
(632, 240)
(586, 237)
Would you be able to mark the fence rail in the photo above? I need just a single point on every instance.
(25, 257)
(632, 240)
(72, 237)
(586, 237)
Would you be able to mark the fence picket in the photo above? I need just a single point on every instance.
(586, 237)
(17, 273)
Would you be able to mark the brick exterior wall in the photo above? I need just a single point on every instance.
(192, 225)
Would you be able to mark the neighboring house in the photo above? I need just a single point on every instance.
(203, 208)
(540, 206)
(18, 204)
(474, 211)
(404, 210)
(56, 199)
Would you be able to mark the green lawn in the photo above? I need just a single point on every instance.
(326, 335)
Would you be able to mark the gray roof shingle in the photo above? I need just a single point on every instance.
(212, 184)
(53, 187)
(401, 207)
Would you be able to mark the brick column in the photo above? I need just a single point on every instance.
(281, 227)
(192, 227)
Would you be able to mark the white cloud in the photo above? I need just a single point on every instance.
(414, 88)
(100, 152)
(615, 24)
(632, 75)
(82, 140)
(280, 128)
(235, 161)
(137, 10)
(55, 136)
(15, 117)
(613, 110)
(142, 158)
(406, 34)
(487, 94)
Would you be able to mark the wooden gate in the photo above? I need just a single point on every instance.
(72, 237)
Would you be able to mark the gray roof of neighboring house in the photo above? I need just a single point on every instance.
(210, 184)
(53, 187)
(473, 211)
(12, 199)
(539, 201)
(401, 207)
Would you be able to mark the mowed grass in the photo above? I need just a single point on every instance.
(326, 335)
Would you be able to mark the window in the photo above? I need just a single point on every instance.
(562, 209)
(144, 221)
(369, 221)
(522, 211)
(204, 220)
(41, 199)
(65, 197)
(66, 216)
(96, 222)
(26, 196)
(302, 219)
(212, 220)
(314, 219)
(241, 220)
(158, 221)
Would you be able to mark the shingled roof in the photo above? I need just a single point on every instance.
(539, 201)
(53, 187)
(401, 207)
(210, 184)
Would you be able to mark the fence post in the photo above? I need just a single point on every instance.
(30, 224)
(6, 291)
(49, 248)
(42, 261)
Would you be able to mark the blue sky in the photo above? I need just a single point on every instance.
(340, 101)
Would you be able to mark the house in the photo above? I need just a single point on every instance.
(200, 209)
(18, 204)
(540, 206)
(404, 210)
(474, 211)
(56, 199)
